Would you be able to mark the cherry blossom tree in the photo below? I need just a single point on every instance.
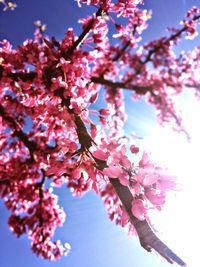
(52, 87)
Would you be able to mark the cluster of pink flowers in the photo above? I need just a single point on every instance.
(148, 182)
(122, 7)
(48, 126)
(191, 25)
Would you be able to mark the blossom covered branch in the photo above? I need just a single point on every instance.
(49, 129)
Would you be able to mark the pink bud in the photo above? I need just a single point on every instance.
(134, 149)
(94, 98)
(138, 209)
(104, 112)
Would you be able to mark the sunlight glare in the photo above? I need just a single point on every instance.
(178, 223)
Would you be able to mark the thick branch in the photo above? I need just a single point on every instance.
(138, 89)
(29, 76)
(84, 138)
(16, 76)
(148, 239)
(24, 76)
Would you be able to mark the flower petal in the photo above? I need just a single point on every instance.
(112, 171)
(138, 209)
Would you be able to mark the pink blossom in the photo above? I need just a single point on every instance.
(144, 161)
(104, 112)
(93, 98)
(155, 197)
(100, 154)
(149, 178)
(124, 179)
(138, 209)
(166, 182)
(124, 161)
(137, 188)
(112, 171)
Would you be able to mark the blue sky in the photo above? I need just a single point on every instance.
(94, 239)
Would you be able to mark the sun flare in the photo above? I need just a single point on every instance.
(179, 221)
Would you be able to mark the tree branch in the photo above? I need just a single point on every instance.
(83, 35)
(148, 239)
(31, 145)
(16, 76)
(84, 138)
(171, 38)
(141, 90)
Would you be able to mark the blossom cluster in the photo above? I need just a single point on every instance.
(148, 182)
(191, 25)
